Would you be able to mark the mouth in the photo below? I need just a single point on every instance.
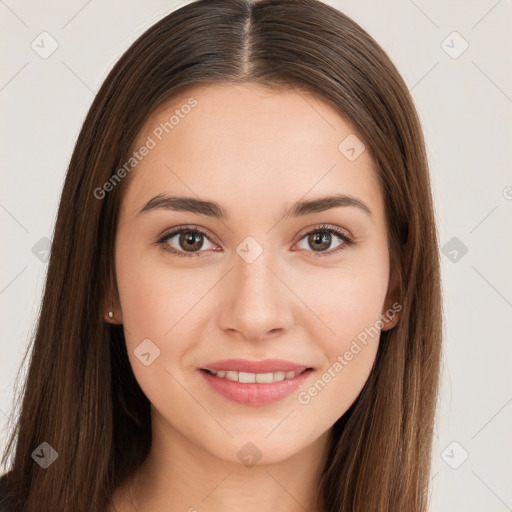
(268, 382)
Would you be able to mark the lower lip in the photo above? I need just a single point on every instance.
(255, 393)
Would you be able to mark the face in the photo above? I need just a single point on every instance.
(299, 296)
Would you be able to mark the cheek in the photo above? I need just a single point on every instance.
(157, 305)
(154, 297)
(352, 313)
(348, 301)
(144, 298)
(344, 301)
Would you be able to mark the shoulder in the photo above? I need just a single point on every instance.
(4, 505)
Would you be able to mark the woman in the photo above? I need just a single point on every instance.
(242, 307)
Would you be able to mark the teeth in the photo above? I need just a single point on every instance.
(246, 377)
(279, 376)
(231, 375)
(265, 378)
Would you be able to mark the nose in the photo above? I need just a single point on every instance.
(257, 303)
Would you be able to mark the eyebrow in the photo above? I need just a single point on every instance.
(215, 210)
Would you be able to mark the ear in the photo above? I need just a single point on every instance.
(112, 305)
(392, 304)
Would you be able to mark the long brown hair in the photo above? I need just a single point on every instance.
(80, 395)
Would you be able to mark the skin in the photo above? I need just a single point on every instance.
(255, 152)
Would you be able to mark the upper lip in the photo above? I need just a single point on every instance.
(265, 366)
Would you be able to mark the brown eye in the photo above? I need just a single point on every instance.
(320, 239)
(190, 241)
(185, 242)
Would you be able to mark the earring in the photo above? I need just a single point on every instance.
(111, 313)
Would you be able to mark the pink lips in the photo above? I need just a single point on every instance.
(255, 394)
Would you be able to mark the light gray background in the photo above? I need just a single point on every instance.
(465, 104)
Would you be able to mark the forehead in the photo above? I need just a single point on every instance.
(242, 144)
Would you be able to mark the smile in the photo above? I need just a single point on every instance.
(256, 388)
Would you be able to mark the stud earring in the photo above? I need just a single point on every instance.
(111, 313)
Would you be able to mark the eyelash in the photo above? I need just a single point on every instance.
(320, 229)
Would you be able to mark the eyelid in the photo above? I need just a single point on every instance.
(339, 231)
